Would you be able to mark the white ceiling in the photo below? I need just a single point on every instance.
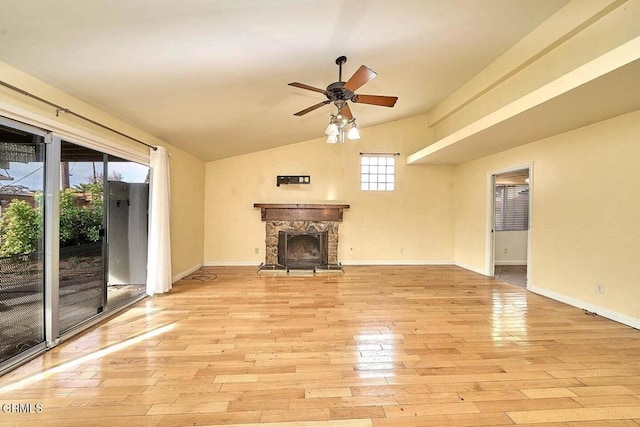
(211, 76)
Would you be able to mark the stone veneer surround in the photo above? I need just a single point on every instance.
(274, 227)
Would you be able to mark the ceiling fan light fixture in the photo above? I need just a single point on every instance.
(353, 132)
(332, 129)
(339, 93)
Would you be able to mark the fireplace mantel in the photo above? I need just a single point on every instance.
(300, 212)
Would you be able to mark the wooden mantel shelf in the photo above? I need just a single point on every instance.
(300, 212)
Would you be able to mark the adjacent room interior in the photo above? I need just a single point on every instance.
(451, 239)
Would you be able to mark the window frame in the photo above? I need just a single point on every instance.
(372, 177)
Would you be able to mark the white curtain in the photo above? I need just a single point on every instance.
(159, 261)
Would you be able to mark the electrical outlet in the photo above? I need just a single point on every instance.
(401, 250)
(599, 288)
(257, 250)
(506, 250)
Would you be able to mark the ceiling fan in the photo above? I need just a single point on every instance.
(340, 92)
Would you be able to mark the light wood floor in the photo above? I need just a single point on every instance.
(377, 346)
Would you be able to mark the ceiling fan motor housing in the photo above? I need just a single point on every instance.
(336, 91)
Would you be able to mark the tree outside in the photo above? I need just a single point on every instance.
(20, 228)
(21, 224)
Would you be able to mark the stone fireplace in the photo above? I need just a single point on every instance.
(275, 228)
(312, 230)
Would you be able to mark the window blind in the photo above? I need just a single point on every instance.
(512, 208)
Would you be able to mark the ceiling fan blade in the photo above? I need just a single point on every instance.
(313, 107)
(307, 87)
(346, 112)
(360, 77)
(385, 101)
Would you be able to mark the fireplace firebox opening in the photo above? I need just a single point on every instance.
(303, 250)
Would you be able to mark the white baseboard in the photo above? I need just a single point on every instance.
(397, 262)
(377, 262)
(232, 263)
(511, 262)
(186, 273)
(604, 312)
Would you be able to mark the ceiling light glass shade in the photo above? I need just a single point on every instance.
(332, 139)
(353, 133)
(332, 130)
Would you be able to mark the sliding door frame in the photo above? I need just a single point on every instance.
(40, 347)
(125, 155)
(54, 132)
(52, 237)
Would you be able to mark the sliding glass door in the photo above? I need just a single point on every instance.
(22, 184)
(103, 233)
(82, 229)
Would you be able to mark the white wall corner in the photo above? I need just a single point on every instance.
(185, 273)
(472, 268)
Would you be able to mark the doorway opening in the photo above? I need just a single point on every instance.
(510, 225)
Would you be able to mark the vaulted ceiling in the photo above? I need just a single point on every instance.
(211, 77)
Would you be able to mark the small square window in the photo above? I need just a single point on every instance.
(377, 172)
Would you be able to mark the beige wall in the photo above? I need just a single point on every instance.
(187, 212)
(187, 172)
(413, 224)
(584, 224)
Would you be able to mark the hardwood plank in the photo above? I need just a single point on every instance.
(457, 420)
(548, 393)
(282, 416)
(576, 414)
(128, 420)
(330, 423)
(601, 390)
(429, 409)
(604, 401)
(217, 418)
(328, 392)
(356, 413)
(526, 404)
